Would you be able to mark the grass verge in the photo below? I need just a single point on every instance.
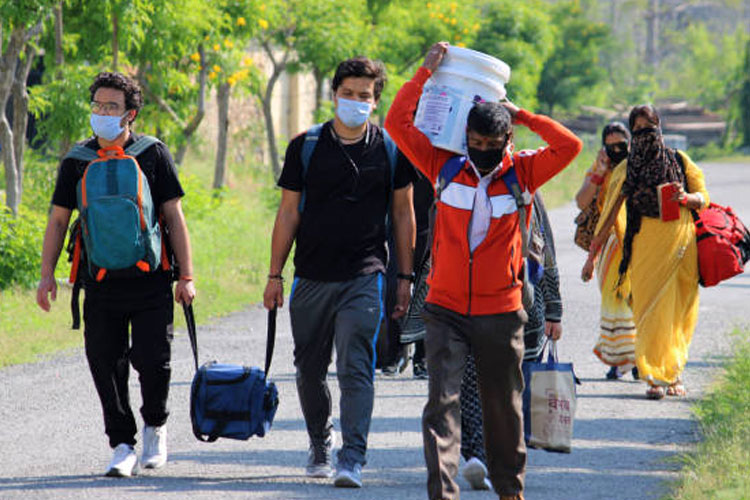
(718, 469)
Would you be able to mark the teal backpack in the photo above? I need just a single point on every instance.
(118, 228)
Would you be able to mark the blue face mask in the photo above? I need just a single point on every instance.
(353, 113)
(106, 127)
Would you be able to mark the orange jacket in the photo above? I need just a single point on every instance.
(489, 280)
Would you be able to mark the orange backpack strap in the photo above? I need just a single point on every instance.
(76, 259)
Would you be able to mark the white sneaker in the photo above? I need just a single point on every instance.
(154, 447)
(475, 473)
(124, 462)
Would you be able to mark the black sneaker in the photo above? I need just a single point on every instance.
(319, 462)
(613, 374)
(420, 370)
(634, 372)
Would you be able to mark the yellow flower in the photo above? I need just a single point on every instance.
(432, 15)
(195, 56)
(429, 5)
(453, 21)
(217, 47)
(475, 27)
(231, 81)
(440, 15)
(228, 43)
(262, 7)
(212, 75)
(466, 31)
(216, 68)
(457, 37)
(241, 21)
(460, 44)
(247, 61)
(263, 24)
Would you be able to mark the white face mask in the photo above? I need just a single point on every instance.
(107, 127)
(352, 113)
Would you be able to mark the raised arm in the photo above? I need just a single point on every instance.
(400, 120)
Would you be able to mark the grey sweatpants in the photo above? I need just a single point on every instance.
(346, 314)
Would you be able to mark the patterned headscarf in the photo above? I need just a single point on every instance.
(650, 163)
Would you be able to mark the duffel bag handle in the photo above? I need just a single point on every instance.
(190, 321)
(271, 340)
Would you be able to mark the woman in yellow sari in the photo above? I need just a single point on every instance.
(662, 256)
(615, 345)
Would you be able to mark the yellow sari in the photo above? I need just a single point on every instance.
(616, 343)
(664, 285)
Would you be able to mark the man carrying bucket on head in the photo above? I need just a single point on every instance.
(475, 297)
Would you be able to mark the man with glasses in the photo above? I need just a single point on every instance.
(139, 301)
(340, 184)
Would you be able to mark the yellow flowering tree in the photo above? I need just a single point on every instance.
(230, 67)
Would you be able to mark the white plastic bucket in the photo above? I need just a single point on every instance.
(464, 77)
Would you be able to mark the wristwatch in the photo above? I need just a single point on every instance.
(411, 277)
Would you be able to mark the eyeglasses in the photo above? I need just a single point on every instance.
(107, 108)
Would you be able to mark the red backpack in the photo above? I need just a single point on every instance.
(723, 244)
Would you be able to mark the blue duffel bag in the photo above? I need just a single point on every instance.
(231, 401)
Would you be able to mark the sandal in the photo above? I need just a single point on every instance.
(676, 389)
(655, 392)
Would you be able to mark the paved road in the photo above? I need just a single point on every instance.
(52, 445)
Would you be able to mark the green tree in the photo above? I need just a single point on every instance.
(521, 34)
(403, 32)
(573, 68)
(20, 24)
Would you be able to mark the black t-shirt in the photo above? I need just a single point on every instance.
(159, 168)
(342, 229)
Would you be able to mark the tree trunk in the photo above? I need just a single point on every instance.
(652, 34)
(278, 68)
(191, 127)
(115, 42)
(59, 54)
(319, 82)
(8, 63)
(21, 113)
(222, 99)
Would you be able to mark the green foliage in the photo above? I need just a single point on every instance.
(718, 468)
(521, 34)
(744, 98)
(573, 67)
(20, 244)
(405, 30)
(22, 13)
(40, 174)
(62, 105)
(704, 66)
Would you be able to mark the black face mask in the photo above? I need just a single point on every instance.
(616, 152)
(486, 160)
